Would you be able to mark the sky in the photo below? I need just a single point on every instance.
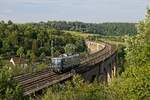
(94, 11)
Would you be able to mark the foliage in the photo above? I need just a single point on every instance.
(101, 28)
(34, 40)
(76, 89)
(134, 82)
(20, 51)
(70, 49)
(9, 90)
(138, 47)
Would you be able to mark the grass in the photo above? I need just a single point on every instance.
(84, 35)
(117, 40)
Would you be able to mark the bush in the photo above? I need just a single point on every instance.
(9, 89)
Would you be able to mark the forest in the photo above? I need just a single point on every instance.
(117, 29)
(35, 40)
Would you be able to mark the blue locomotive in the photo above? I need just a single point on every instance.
(65, 62)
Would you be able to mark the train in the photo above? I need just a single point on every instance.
(65, 62)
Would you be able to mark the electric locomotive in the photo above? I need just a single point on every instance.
(65, 62)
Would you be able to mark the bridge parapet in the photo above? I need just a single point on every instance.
(101, 64)
(94, 46)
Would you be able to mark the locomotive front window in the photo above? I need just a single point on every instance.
(56, 61)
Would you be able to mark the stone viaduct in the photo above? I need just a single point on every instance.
(100, 64)
(105, 70)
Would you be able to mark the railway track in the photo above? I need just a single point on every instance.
(95, 58)
(27, 76)
(33, 82)
(45, 82)
(42, 81)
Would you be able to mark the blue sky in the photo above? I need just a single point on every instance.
(73, 10)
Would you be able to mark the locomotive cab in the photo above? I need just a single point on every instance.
(57, 64)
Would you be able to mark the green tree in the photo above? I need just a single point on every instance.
(9, 89)
(34, 46)
(81, 47)
(77, 89)
(20, 53)
(33, 57)
(138, 47)
(70, 48)
(42, 56)
(10, 22)
(134, 82)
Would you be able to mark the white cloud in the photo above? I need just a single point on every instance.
(25, 1)
(36, 1)
(7, 11)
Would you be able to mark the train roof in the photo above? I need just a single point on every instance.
(68, 56)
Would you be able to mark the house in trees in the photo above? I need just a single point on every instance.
(18, 61)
